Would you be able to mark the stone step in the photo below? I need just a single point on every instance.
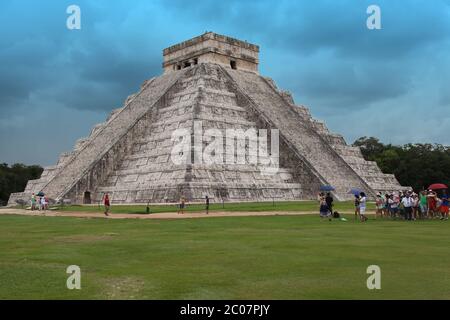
(106, 138)
(327, 165)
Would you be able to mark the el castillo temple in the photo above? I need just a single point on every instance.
(213, 79)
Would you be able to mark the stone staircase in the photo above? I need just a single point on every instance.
(107, 136)
(146, 173)
(305, 142)
(367, 170)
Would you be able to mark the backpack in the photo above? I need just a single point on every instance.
(336, 215)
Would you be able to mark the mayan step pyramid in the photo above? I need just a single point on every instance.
(213, 79)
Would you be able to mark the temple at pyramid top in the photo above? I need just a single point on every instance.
(211, 47)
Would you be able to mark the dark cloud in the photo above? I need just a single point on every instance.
(86, 69)
(321, 51)
(348, 85)
(406, 26)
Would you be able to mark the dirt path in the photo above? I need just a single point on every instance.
(165, 215)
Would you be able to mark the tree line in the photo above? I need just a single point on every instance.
(415, 165)
(14, 178)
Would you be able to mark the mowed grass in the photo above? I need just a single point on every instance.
(307, 206)
(270, 257)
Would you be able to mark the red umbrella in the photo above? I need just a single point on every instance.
(437, 186)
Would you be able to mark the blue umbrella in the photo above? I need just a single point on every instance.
(355, 191)
(327, 188)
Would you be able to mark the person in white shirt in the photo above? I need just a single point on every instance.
(393, 205)
(408, 203)
(43, 203)
(362, 206)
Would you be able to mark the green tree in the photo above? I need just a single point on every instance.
(415, 165)
(14, 178)
(370, 147)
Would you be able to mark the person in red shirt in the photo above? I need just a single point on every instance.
(431, 201)
(106, 203)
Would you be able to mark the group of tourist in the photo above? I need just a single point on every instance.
(406, 205)
(326, 206)
(409, 205)
(39, 202)
(182, 205)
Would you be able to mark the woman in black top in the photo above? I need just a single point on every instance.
(356, 206)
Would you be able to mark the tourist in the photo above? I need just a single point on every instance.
(320, 195)
(362, 207)
(357, 211)
(401, 207)
(431, 203)
(393, 206)
(383, 209)
(38, 202)
(408, 203)
(397, 204)
(444, 206)
(33, 202)
(46, 202)
(423, 204)
(438, 207)
(379, 203)
(324, 209)
(329, 200)
(106, 203)
(416, 203)
(43, 205)
(182, 205)
(207, 204)
(387, 208)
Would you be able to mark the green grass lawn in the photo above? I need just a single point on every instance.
(250, 206)
(271, 257)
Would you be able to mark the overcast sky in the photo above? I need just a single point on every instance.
(55, 83)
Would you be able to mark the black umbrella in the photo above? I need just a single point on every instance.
(40, 194)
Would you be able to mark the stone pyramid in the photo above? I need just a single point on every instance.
(214, 80)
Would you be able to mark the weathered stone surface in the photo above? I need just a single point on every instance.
(211, 48)
(128, 156)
